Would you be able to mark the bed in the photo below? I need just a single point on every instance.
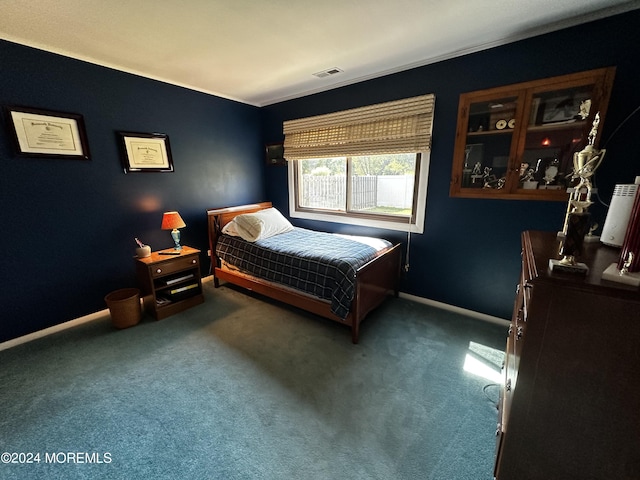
(371, 274)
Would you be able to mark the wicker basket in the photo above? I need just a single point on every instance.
(124, 306)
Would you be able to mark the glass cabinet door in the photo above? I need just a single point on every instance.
(488, 143)
(518, 141)
(559, 123)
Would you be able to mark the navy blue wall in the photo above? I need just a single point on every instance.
(469, 255)
(69, 224)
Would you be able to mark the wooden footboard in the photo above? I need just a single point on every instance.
(374, 281)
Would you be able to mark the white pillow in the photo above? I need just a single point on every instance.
(230, 229)
(259, 225)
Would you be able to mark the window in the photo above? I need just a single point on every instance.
(378, 185)
(365, 166)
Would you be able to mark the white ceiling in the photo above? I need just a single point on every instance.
(261, 52)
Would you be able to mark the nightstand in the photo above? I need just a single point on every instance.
(170, 283)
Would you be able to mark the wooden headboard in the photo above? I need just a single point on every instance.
(219, 217)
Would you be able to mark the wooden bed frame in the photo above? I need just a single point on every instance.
(374, 280)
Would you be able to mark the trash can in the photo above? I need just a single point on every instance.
(124, 306)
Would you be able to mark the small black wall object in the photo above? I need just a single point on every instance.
(275, 154)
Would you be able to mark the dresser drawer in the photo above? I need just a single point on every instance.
(160, 269)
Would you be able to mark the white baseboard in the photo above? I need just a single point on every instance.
(444, 306)
(104, 314)
(452, 308)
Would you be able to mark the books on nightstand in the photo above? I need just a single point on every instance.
(183, 289)
(173, 281)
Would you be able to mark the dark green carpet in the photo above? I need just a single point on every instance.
(242, 388)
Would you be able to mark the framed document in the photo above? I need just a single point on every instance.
(145, 152)
(43, 133)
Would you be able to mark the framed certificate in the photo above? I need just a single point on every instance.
(43, 133)
(145, 152)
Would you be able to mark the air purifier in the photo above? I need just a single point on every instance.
(615, 225)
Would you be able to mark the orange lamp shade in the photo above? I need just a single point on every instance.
(172, 220)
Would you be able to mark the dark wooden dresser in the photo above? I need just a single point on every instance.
(570, 407)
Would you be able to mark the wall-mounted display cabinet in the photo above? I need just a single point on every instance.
(517, 142)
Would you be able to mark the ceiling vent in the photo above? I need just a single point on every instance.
(326, 73)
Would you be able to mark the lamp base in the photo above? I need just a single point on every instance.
(175, 234)
(565, 267)
(612, 274)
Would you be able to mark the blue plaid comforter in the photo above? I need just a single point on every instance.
(318, 263)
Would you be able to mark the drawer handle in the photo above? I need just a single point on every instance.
(507, 387)
(193, 261)
(519, 333)
(510, 330)
(159, 270)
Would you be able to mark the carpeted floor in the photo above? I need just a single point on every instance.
(243, 388)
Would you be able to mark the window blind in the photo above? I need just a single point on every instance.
(402, 126)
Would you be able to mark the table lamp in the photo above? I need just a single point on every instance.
(173, 221)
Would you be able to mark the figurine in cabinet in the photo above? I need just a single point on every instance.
(551, 172)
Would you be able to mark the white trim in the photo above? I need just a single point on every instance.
(453, 308)
(102, 314)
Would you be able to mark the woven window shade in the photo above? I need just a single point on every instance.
(402, 126)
